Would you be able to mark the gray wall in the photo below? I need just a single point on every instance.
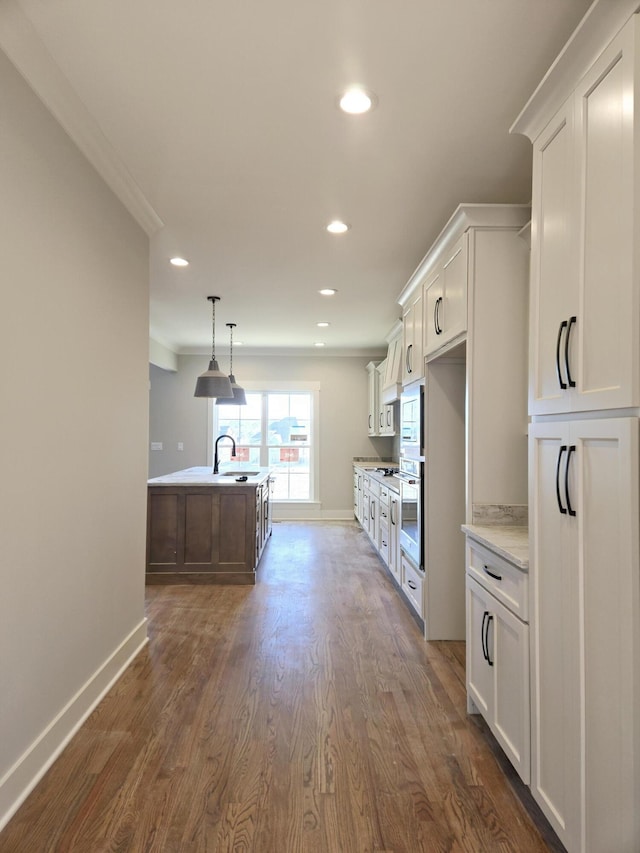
(74, 425)
(176, 415)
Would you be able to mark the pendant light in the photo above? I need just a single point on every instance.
(213, 382)
(239, 397)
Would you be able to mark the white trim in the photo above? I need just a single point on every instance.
(21, 779)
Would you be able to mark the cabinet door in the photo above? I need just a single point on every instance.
(604, 346)
(433, 299)
(584, 306)
(606, 485)
(508, 647)
(453, 312)
(479, 668)
(585, 651)
(373, 389)
(554, 283)
(394, 535)
(413, 362)
(555, 635)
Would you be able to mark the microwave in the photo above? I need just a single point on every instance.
(412, 417)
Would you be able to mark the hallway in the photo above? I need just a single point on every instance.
(302, 715)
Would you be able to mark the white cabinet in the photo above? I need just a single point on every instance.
(585, 321)
(498, 652)
(392, 382)
(412, 585)
(413, 362)
(584, 631)
(445, 299)
(583, 472)
(373, 381)
(386, 420)
(395, 523)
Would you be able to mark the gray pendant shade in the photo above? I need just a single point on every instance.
(213, 382)
(237, 396)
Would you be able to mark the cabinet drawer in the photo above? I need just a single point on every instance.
(509, 584)
(384, 495)
(413, 586)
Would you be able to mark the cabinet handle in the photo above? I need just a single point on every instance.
(388, 417)
(373, 511)
(491, 574)
(559, 499)
(411, 584)
(489, 621)
(408, 359)
(370, 416)
(561, 381)
(570, 380)
(566, 481)
(381, 420)
(485, 654)
(436, 315)
(393, 521)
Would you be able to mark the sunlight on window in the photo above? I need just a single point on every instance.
(273, 430)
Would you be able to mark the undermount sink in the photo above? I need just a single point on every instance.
(239, 473)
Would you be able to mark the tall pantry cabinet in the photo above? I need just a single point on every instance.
(584, 394)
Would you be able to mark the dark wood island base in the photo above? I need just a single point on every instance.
(206, 529)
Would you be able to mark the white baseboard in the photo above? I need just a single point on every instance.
(21, 779)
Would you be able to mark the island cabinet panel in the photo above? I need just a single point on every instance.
(163, 531)
(198, 529)
(201, 534)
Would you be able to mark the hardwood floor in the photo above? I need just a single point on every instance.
(302, 714)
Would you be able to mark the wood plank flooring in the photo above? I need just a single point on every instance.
(302, 714)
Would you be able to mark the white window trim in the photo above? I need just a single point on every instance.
(263, 385)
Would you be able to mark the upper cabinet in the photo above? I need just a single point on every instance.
(413, 360)
(584, 305)
(438, 297)
(392, 380)
(445, 300)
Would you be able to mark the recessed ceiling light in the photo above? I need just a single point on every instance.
(179, 262)
(357, 100)
(337, 227)
(319, 344)
(327, 291)
(322, 324)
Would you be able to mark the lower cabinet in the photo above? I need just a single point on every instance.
(210, 533)
(378, 509)
(412, 585)
(585, 640)
(498, 672)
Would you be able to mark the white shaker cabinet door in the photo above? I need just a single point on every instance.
(554, 282)
(584, 305)
(585, 656)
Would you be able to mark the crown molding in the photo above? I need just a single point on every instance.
(25, 49)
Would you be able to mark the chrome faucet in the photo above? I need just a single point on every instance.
(215, 454)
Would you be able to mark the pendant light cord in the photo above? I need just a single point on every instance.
(213, 326)
(231, 326)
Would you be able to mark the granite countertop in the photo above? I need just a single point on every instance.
(508, 541)
(203, 476)
(370, 467)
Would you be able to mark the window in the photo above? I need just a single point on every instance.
(274, 430)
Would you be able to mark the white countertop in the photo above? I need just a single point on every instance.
(203, 476)
(387, 480)
(507, 541)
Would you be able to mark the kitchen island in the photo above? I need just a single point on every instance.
(207, 528)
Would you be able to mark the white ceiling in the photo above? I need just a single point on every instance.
(218, 120)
